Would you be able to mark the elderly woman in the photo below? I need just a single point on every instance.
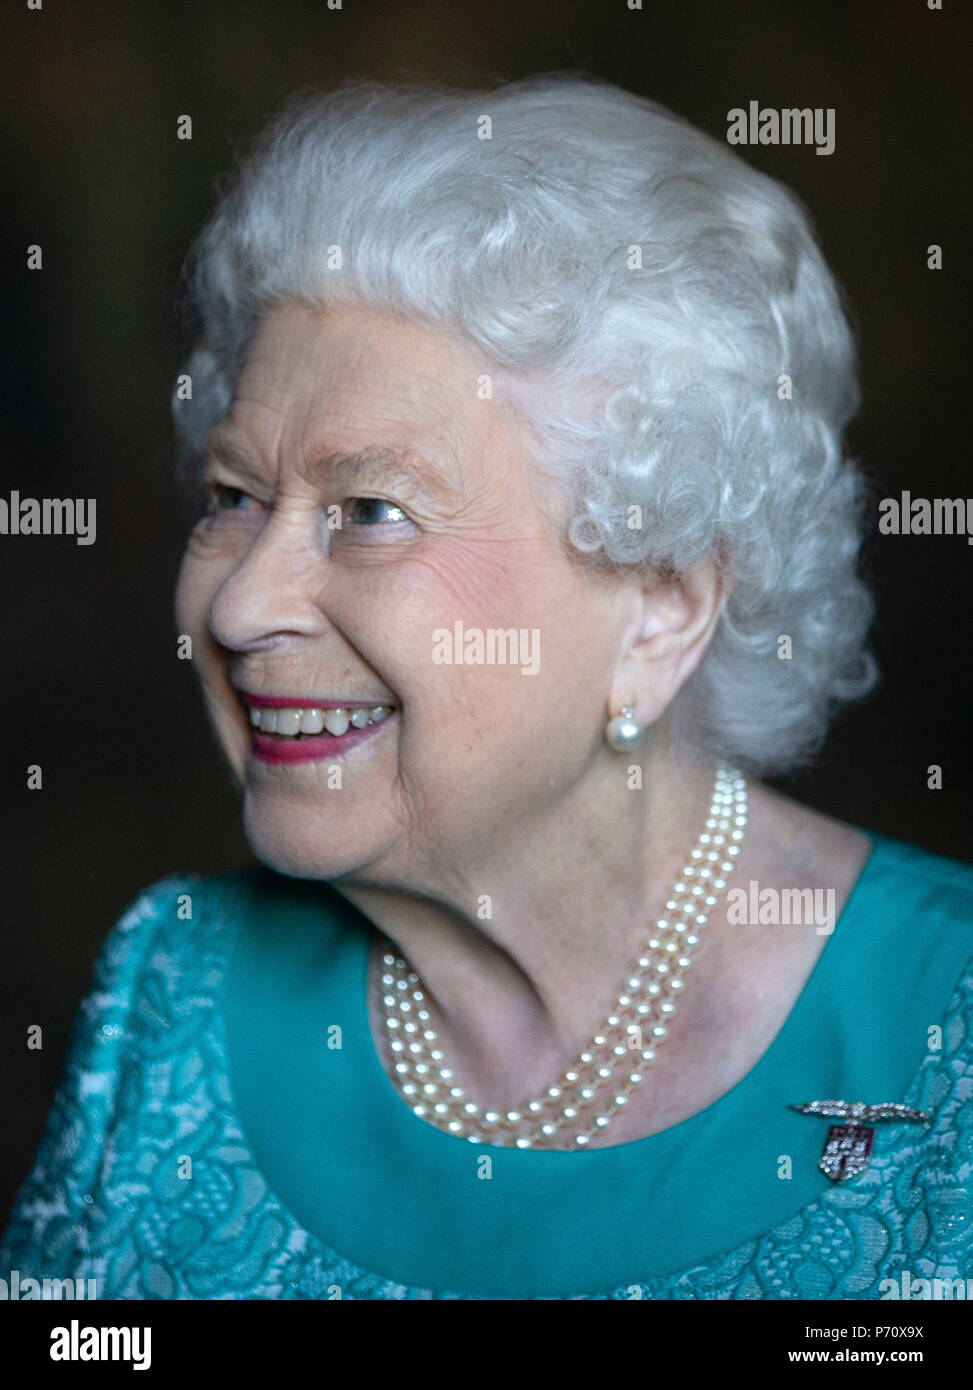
(528, 544)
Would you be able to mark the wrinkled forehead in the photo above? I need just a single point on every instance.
(352, 389)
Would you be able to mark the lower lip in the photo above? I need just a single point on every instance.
(305, 750)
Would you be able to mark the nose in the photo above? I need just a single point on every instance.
(274, 591)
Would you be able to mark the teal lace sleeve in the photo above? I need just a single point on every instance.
(56, 1212)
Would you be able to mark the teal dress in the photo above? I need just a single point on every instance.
(210, 1139)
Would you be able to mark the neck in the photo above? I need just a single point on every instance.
(521, 946)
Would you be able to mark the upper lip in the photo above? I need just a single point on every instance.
(305, 702)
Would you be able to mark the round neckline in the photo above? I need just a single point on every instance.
(399, 1198)
(400, 1113)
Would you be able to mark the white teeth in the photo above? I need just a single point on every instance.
(312, 721)
(288, 720)
(336, 721)
(293, 720)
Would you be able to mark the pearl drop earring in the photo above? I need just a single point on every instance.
(624, 732)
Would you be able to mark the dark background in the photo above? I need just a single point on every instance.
(92, 170)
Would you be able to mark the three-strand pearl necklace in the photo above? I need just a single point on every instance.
(598, 1083)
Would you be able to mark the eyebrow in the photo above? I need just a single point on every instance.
(405, 465)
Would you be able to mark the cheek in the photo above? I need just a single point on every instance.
(202, 571)
(200, 576)
(496, 583)
(188, 597)
(468, 708)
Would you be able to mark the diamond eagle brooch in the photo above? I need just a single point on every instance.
(848, 1147)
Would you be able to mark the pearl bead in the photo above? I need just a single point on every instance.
(624, 732)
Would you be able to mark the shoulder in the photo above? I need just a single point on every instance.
(914, 861)
(173, 935)
(165, 948)
(161, 914)
(914, 912)
(925, 893)
(156, 919)
(806, 846)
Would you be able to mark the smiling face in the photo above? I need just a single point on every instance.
(363, 500)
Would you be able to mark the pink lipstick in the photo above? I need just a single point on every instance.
(297, 729)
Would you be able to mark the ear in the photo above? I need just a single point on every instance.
(672, 627)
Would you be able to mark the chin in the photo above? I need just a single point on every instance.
(304, 845)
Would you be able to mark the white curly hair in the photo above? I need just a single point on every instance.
(658, 312)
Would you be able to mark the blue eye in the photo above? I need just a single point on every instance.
(227, 499)
(368, 511)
